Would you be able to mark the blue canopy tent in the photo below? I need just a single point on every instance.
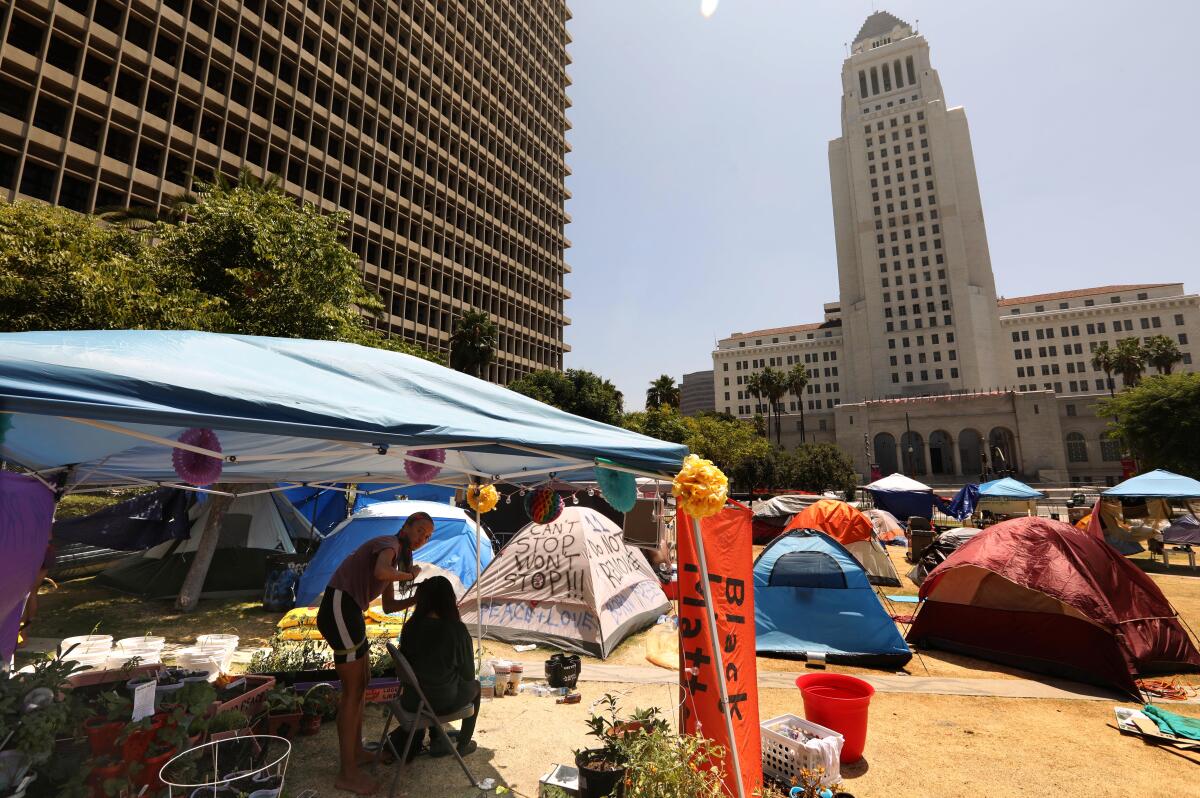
(1156, 484)
(451, 550)
(1008, 488)
(902, 497)
(92, 410)
(811, 596)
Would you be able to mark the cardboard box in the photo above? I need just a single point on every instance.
(564, 777)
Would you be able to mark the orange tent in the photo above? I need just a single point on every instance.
(1082, 523)
(837, 519)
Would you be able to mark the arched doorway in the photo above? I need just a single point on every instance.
(970, 451)
(941, 453)
(885, 453)
(912, 450)
(1002, 450)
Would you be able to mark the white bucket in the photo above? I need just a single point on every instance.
(87, 644)
(91, 659)
(151, 642)
(195, 659)
(225, 641)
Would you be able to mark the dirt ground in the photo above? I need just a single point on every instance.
(918, 745)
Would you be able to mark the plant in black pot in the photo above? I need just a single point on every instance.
(602, 770)
(283, 712)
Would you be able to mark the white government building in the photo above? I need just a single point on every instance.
(920, 367)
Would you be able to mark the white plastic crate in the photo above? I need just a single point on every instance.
(783, 758)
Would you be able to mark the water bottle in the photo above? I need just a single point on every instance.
(487, 679)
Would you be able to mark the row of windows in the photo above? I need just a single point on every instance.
(917, 324)
(1115, 300)
(921, 357)
(1096, 328)
(938, 374)
(1077, 448)
(884, 75)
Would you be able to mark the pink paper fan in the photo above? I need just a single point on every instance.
(192, 467)
(424, 472)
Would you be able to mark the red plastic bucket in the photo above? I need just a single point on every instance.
(838, 702)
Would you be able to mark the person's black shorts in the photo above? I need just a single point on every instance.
(341, 623)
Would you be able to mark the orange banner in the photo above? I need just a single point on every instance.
(727, 549)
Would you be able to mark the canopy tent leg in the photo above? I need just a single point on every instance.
(710, 617)
(478, 596)
(193, 583)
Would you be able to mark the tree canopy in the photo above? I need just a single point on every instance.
(575, 391)
(1159, 420)
(727, 441)
(662, 391)
(473, 343)
(245, 258)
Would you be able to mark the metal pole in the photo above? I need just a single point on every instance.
(478, 596)
(718, 659)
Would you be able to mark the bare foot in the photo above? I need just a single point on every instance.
(360, 785)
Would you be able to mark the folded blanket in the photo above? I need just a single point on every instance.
(1172, 723)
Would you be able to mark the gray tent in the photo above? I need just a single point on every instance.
(252, 530)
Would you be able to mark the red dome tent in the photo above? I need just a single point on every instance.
(1040, 595)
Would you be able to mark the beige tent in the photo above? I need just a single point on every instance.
(572, 584)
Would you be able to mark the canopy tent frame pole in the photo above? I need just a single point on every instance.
(593, 461)
(478, 594)
(355, 450)
(139, 482)
(145, 436)
(710, 617)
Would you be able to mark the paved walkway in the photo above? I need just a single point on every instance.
(929, 685)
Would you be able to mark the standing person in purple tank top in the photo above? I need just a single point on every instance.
(368, 573)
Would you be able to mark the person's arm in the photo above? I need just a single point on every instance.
(392, 605)
(386, 571)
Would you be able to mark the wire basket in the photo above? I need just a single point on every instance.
(252, 765)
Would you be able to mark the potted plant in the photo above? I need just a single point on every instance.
(283, 712)
(101, 770)
(229, 723)
(659, 762)
(108, 719)
(602, 770)
(319, 704)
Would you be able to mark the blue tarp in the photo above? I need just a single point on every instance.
(1008, 488)
(1157, 484)
(132, 525)
(811, 595)
(325, 508)
(369, 494)
(963, 503)
(285, 409)
(452, 547)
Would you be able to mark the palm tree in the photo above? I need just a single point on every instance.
(1102, 359)
(754, 388)
(773, 384)
(473, 343)
(797, 382)
(662, 391)
(1129, 360)
(1162, 353)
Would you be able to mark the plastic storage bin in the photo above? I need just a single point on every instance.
(783, 758)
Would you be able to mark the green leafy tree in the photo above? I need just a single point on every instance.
(61, 271)
(1102, 359)
(473, 343)
(729, 442)
(1159, 420)
(662, 391)
(823, 466)
(797, 381)
(576, 391)
(1129, 360)
(1162, 353)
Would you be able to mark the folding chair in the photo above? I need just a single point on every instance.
(423, 718)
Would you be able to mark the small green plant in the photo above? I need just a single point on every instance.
(661, 764)
(229, 720)
(321, 700)
(614, 733)
(196, 697)
(113, 706)
(286, 656)
(282, 701)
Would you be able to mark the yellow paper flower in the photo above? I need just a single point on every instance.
(483, 499)
(700, 487)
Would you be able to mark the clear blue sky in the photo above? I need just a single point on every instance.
(701, 184)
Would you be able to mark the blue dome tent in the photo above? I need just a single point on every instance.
(451, 550)
(812, 597)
